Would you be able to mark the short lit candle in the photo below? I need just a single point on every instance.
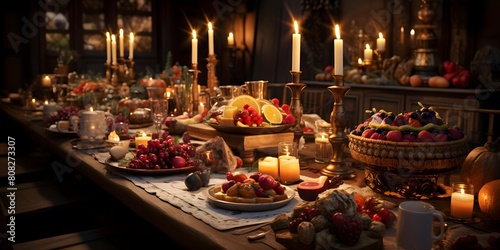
(194, 48)
(380, 42)
(296, 48)
(210, 39)
(230, 39)
(412, 37)
(46, 82)
(113, 48)
(269, 165)
(289, 169)
(33, 103)
(142, 140)
(108, 48)
(131, 47)
(462, 204)
(402, 35)
(368, 53)
(338, 50)
(121, 43)
(360, 62)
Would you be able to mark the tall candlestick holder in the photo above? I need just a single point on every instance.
(338, 138)
(195, 94)
(114, 76)
(380, 59)
(108, 71)
(211, 77)
(296, 109)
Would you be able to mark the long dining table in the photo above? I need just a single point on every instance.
(183, 227)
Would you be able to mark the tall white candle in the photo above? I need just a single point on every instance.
(121, 43)
(194, 48)
(131, 47)
(338, 50)
(368, 53)
(108, 48)
(210, 39)
(230, 39)
(296, 48)
(380, 42)
(113, 48)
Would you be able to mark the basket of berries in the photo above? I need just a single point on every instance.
(406, 153)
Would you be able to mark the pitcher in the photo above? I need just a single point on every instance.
(92, 125)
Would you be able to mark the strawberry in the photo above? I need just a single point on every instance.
(346, 229)
(368, 133)
(425, 136)
(399, 120)
(289, 119)
(276, 102)
(409, 138)
(440, 137)
(394, 135)
(375, 136)
(286, 108)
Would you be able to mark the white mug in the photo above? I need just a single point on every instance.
(415, 225)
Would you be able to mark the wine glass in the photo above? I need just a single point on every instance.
(159, 109)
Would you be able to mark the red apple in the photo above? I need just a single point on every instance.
(266, 182)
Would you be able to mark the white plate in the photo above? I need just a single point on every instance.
(53, 128)
(249, 207)
(122, 165)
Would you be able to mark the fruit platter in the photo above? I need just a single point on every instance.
(406, 154)
(245, 114)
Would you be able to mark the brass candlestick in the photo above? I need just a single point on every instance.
(108, 71)
(195, 94)
(114, 76)
(380, 59)
(212, 78)
(296, 109)
(338, 138)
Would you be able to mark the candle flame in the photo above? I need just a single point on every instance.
(194, 34)
(121, 32)
(360, 61)
(337, 31)
(168, 94)
(231, 35)
(402, 29)
(33, 100)
(380, 35)
(131, 36)
(46, 102)
(209, 25)
(107, 35)
(113, 38)
(91, 109)
(367, 46)
(412, 32)
(462, 191)
(296, 26)
(201, 105)
(143, 134)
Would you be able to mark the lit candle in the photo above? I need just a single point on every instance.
(46, 82)
(380, 42)
(338, 50)
(194, 48)
(289, 169)
(230, 39)
(324, 150)
(462, 201)
(108, 48)
(269, 165)
(33, 103)
(121, 43)
(201, 108)
(296, 49)
(210, 39)
(142, 140)
(113, 48)
(131, 47)
(402, 35)
(360, 62)
(368, 53)
(412, 37)
(49, 109)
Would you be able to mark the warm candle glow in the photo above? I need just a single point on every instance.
(368, 53)
(402, 35)
(296, 48)
(46, 82)
(289, 169)
(230, 39)
(108, 48)
(131, 46)
(194, 48)
(210, 39)
(269, 165)
(360, 62)
(380, 42)
(113, 48)
(91, 109)
(412, 32)
(338, 53)
(121, 43)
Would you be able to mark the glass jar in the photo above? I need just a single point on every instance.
(323, 150)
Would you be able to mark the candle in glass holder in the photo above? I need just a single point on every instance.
(269, 165)
(142, 140)
(462, 201)
(324, 150)
(289, 169)
(46, 82)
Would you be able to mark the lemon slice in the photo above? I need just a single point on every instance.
(272, 114)
(263, 102)
(241, 100)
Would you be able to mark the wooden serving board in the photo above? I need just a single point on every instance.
(239, 141)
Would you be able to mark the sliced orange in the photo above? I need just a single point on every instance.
(272, 114)
(241, 100)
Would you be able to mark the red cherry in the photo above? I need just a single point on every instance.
(229, 176)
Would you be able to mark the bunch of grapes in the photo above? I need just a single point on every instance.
(306, 215)
(249, 115)
(162, 153)
(63, 114)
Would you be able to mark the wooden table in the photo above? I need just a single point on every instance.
(185, 229)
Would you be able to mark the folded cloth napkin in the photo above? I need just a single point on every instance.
(310, 120)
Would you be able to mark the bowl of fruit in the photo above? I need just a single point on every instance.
(406, 153)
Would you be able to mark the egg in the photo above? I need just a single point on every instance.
(117, 152)
(438, 82)
(415, 81)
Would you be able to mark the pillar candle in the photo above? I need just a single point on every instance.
(338, 50)
(194, 48)
(269, 165)
(113, 48)
(368, 53)
(296, 49)
(380, 42)
(289, 169)
(402, 35)
(121, 43)
(210, 39)
(131, 47)
(142, 140)
(412, 38)
(108, 48)
(462, 204)
(46, 82)
(230, 39)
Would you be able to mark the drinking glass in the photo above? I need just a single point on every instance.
(159, 109)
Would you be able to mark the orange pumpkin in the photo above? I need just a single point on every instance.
(489, 200)
(482, 165)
